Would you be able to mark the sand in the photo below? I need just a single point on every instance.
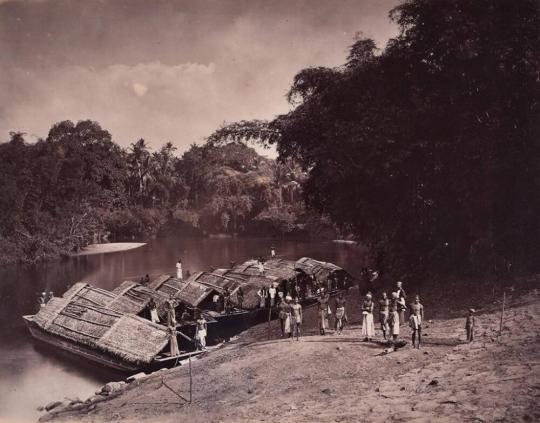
(342, 379)
(113, 247)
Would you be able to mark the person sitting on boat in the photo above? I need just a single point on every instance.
(50, 295)
(145, 279)
(153, 311)
(200, 332)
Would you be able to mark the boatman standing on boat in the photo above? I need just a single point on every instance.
(179, 269)
(153, 311)
(201, 331)
(272, 252)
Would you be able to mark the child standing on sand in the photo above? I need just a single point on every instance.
(469, 325)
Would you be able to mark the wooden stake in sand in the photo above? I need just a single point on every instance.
(502, 314)
(190, 380)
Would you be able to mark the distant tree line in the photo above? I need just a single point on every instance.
(429, 151)
(77, 187)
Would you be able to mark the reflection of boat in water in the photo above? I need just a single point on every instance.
(113, 328)
(95, 324)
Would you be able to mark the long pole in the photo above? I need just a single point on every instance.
(502, 314)
(190, 380)
(269, 318)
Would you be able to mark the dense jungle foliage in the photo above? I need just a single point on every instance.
(77, 187)
(429, 150)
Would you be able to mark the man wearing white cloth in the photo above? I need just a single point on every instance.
(368, 327)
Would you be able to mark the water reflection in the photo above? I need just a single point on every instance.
(31, 375)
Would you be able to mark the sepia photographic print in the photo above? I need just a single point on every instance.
(220, 211)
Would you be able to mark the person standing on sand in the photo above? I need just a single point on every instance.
(402, 306)
(415, 321)
(384, 310)
(296, 317)
(469, 325)
(179, 269)
(394, 316)
(285, 317)
(368, 327)
(416, 305)
(323, 311)
(341, 316)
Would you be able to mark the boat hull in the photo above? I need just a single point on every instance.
(78, 349)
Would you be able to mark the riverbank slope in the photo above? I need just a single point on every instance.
(339, 378)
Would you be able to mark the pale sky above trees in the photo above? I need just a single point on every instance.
(167, 70)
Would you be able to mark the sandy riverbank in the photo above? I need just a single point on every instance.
(113, 247)
(341, 379)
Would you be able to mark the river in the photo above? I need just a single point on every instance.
(32, 375)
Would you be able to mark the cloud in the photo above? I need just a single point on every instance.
(167, 70)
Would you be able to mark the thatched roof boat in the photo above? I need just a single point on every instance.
(97, 325)
(320, 269)
(279, 269)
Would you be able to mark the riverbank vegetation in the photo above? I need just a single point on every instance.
(78, 187)
(429, 150)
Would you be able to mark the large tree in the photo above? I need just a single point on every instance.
(430, 150)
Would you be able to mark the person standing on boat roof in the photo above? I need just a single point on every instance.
(273, 252)
(179, 269)
(260, 266)
(42, 300)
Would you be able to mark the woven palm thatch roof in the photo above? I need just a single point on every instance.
(167, 285)
(320, 269)
(216, 280)
(139, 295)
(280, 269)
(79, 317)
(250, 285)
(193, 293)
(87, 294)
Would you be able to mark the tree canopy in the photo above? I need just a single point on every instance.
(430, 149)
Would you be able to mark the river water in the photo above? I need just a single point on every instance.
(32, 375)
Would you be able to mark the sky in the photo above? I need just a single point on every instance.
(170, 70)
